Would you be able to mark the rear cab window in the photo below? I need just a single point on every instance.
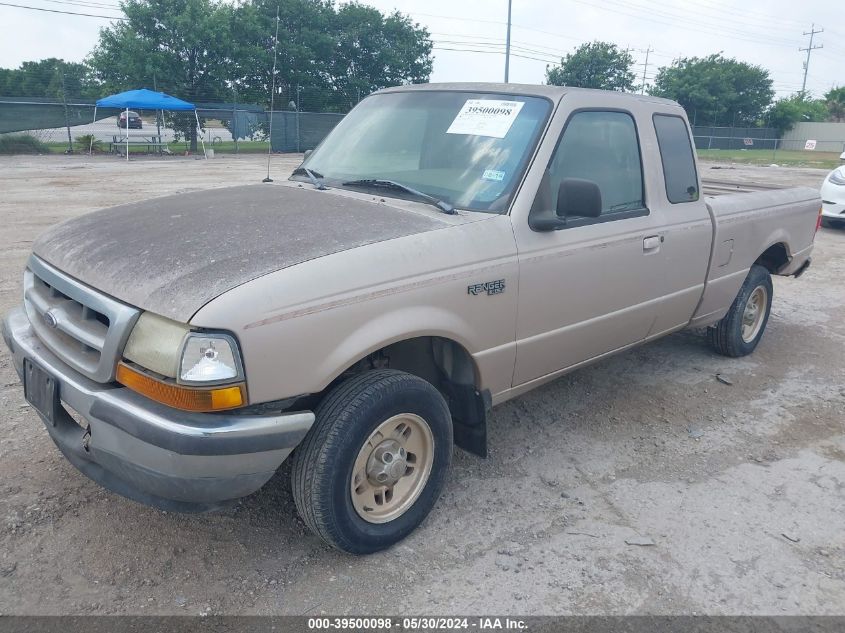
(676, 154)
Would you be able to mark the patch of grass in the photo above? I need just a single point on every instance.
(179, 147)
(22, 144)
(784, 157)
(244, 147)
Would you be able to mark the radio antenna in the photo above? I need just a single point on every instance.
(272, 96)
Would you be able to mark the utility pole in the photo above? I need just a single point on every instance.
(508, 44)
(645, 68)
(809, 50)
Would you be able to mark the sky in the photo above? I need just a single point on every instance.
(469, 35)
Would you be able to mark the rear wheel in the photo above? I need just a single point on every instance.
(374, 463)
(741, 329)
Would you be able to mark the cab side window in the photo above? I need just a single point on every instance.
(676, 155)
(602, 147)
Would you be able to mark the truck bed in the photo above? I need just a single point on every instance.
(719, 187)
(748, 220)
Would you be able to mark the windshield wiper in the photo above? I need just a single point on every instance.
(316, 178)
(377, 183)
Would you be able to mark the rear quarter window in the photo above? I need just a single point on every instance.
(677, 158)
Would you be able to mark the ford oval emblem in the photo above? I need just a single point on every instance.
(50, 319)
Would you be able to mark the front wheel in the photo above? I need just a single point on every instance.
(741, 329)
(374, 463)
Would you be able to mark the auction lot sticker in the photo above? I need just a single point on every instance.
(486, 117)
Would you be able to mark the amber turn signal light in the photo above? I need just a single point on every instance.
(179, 397)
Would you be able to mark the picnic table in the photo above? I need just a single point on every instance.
(151, 142)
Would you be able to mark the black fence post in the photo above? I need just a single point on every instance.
(298, 106)
(69, 149)
(233, 128)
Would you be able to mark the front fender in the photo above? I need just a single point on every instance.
(402, 324)
(302, 327)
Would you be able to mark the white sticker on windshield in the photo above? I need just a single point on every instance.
(493, 174)
(486, 117)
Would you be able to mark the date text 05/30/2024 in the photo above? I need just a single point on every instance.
(417, 623)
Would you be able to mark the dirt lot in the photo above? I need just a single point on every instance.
(741, 487)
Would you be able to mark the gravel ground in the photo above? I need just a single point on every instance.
(739, 489)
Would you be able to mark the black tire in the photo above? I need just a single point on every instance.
(322, 465)
(726, 336)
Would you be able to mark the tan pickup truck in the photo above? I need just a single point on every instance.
(446, 248)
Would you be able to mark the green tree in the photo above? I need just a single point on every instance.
(181, 47)
(594, 65)
(835, 101)
(373, 51)
(328, 57)
(305, 44)
(208, 50)
(799, 107)
(716, 90)
(44, 79)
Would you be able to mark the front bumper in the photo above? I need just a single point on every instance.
(152, 453)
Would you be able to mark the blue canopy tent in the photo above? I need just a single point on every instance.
(144, 99)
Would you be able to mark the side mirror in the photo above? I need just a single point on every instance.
(577, 197)
(306, 154)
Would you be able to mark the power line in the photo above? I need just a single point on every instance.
(498, 47)
(86, 3)
(690, 25)
(753, 15)
(716, 21)
(499, 41)
(514, 25)
(718, 13)
(87, 15)
(809, 50)
(490, 52)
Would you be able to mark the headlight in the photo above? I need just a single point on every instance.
(209, 359)
(193, 371)
(837, 177)
(156, 344)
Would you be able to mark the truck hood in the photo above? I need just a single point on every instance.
(172, 255)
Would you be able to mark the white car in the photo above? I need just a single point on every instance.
(833, 197)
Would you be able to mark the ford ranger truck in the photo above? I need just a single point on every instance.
(446, 248)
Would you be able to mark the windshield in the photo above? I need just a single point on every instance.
(467, 149)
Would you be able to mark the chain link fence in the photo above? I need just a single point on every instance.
(732, 138)
(301, 119)
(302, 116)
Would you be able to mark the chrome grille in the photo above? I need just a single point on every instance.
(83, 327)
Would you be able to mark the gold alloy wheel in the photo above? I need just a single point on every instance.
(754, 313)
(392, 468)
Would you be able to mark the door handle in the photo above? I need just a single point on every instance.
(652, 242)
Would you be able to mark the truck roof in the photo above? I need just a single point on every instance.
(528, 90)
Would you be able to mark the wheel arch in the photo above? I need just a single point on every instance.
(446, 363)
(775, 258)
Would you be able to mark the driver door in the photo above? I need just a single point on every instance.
(594, 285)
